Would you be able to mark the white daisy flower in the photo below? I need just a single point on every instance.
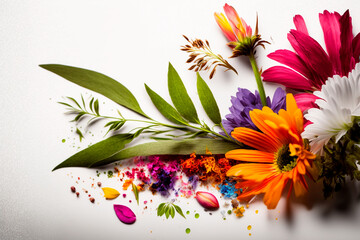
(339, 105)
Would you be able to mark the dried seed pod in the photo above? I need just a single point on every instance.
(203, 58)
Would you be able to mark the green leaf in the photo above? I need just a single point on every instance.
(91, 104)
(172, 211)
(172, 147)
(160, 210)
(165, 108)
(180, 97)
(99, 83)
(78, 132)
(96, 107)
(97, 152)
(207, 100)
(167, 207)
(136, 192)
(179, 211)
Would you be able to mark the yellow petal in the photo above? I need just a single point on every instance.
(110, 193)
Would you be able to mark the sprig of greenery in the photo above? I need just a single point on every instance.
(116, 123)
(169, 210)
(180, 112)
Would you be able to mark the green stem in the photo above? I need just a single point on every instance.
(258, 78)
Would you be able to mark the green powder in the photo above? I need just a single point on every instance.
(63, 140)
(188, 212)
(187, 230)
(197, 215)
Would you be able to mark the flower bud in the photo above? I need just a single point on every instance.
(207, 200)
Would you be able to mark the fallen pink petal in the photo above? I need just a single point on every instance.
(125, 214)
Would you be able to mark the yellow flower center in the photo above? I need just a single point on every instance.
(285, 159)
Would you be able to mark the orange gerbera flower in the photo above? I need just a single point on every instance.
(280, 154)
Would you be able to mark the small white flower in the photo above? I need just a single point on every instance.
(339, 104)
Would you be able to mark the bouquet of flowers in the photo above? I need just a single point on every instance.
(310, 131)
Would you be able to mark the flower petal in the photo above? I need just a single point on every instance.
(331, 29)
(291, 60)
(124, 214)
(225, 26)
(346, 38)
(356, 47)
(110, 193)
(248, 155)
(255, 139)
(306, 101)
(286, 77)
(271, 198)
(252, 171)
(313, 55)
(300, 24)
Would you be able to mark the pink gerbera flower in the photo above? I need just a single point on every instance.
(310, 65)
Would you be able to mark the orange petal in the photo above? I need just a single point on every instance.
(255, 139)
(250, 156)
(259, 116)
(252, 171)
(272, 196)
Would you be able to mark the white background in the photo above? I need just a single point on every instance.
(131, 41)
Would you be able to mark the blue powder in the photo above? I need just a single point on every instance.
(228, 189)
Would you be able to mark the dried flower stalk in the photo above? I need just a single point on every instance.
(203, 58)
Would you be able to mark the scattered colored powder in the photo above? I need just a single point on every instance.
(145, 202)
(187, 230)
(229, 212)
(124, 195)
(163, 174)
(63, 140)
(247, 205)
(228, 189)
(110, 174)
(197, 215)
(256, 211)
(188, 212)
(276, 218)
(208, 168)
(249, 234)
(249, 227)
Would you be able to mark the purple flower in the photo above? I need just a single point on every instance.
(244, 102)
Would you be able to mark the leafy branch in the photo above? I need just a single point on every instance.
(169, 210)
(181, 114)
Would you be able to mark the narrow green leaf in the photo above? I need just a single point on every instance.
(180, 97)
(97, 152)
(179, 211)
(165, 108)
(99, 83)
(136, 192)
(73, 99)
(78, 132)
(91, 104)
(172, 211)
(207, 100)
(83, 101)
(172, 147)
(66, 104)
(96, 107)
